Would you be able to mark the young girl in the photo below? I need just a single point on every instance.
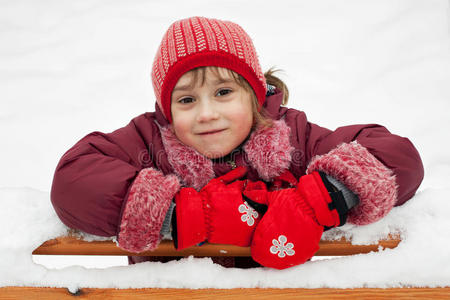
(238, 166)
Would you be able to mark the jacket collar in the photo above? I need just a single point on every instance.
(268, 151)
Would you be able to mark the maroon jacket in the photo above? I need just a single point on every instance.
(93, 179)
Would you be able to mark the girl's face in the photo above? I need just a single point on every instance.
(213, 117)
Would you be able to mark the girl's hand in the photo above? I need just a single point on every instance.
(217, 214)
(289, 232)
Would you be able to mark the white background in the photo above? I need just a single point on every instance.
(68, 68)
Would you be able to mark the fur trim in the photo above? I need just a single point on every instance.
(194, 169)
(145, 210)
(269, 150)
(363, 174)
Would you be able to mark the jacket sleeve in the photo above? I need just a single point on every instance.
(383, 169)
(93, 178)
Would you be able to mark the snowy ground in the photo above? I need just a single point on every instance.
(71, 67)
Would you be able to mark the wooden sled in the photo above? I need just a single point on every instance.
(70, 245)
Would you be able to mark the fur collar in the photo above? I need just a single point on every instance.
(268, 150)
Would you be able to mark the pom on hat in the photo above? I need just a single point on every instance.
(199, 42)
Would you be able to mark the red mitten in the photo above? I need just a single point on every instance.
(289, 232)
(217, 214)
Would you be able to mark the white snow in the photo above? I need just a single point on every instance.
(68, 68)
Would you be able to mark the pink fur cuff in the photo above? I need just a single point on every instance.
(147, 204)
(269, 150)
(363, 174)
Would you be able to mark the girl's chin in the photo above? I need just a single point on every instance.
(214, 154)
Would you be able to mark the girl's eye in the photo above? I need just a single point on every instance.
(224, 92)
(186, 100)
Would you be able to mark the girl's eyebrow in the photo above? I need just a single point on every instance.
(223, 80)
(181, 88)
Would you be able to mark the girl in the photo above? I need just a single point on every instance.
(220, 143)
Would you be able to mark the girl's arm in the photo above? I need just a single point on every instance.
(382, 168)
(96, 179)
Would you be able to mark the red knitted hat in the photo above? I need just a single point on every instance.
(199, 42)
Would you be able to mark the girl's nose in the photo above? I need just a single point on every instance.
(207, 112)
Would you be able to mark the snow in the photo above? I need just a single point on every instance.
(68, 68)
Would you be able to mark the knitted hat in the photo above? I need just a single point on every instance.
(198, 42)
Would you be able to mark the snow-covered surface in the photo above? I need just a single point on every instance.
(71, 67)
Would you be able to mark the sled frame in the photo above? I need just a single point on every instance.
(71, 245)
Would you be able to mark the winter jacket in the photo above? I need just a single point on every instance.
(93, 179)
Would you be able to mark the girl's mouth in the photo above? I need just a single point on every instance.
(211, 132)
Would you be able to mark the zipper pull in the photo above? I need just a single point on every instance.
(232, 163)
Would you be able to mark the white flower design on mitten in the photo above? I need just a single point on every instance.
(280, 247)
(249, 214)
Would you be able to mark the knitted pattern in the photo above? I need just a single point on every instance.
(198, 42)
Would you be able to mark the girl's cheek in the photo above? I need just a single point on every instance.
(182, 124)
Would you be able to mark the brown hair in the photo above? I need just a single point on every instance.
(260, 116)
(278, 83)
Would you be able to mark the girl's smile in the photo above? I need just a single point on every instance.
(209, 133)
(213, 117)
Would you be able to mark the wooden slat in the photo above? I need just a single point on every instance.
(73, 246)
(285, 294)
